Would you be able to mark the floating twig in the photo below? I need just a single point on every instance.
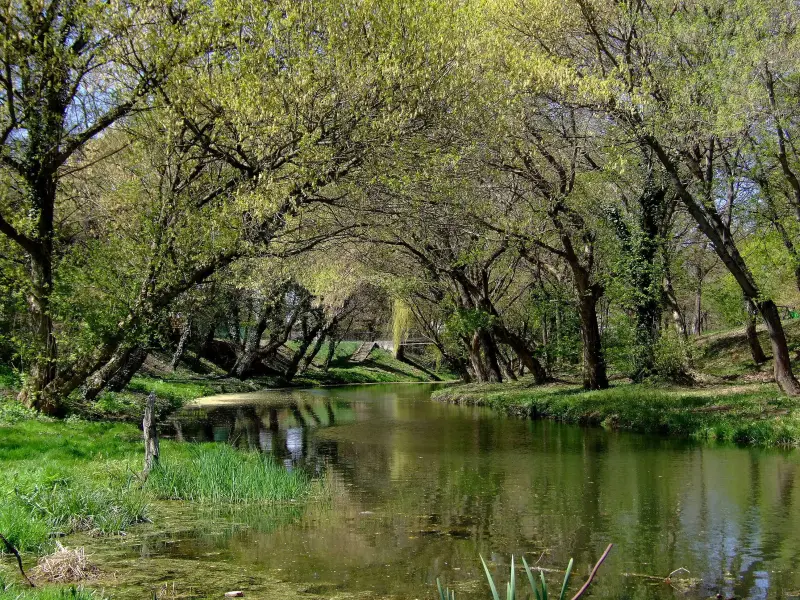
(585, 586)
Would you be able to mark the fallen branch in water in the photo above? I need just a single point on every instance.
(593, 573)
(10, 548)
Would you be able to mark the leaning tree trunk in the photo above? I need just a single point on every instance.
(522, 351)
(120, 380)
(314, 351)
(594, 363)
(332, 343)
(186, 331)
(752, 336)
(721, 239)
(294, 363)
(116, 374)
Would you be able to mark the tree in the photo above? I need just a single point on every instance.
(277, 108)
(70, 70)
(668, 75)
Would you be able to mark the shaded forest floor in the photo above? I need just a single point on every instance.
(730, 398)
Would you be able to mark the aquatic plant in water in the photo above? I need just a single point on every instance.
(539, 589)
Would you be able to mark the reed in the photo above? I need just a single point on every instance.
(220, 473)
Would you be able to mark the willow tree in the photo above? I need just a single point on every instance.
(68, 71)
(677, 78)
(281, 103)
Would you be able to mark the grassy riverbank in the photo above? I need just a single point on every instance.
(65, 477)
(755, 414)
(732, 399)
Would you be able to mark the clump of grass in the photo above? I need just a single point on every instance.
(538, 588)
(42, 506)
(220, 473)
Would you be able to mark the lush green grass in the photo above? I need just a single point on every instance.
(177, 391)
(726, 353)
(60, 477)
(750, 414)
(10, 590)
(219, 473)
(64, 477)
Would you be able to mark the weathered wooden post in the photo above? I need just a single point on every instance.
(150, 434)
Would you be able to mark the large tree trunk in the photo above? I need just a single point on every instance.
(475, 359)
(490, 353)
(308, 337)
(752, 337)
(116, 374)
(780, 350)
(594, 363)
(37, 393)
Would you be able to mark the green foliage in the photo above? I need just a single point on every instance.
(402, 320)
(220, 473)
(12, 412)
(465, 322)
(9, 378)
(670, 357)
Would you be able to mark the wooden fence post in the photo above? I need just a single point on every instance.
(151, 452)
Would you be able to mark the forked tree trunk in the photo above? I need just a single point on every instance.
(490, 353)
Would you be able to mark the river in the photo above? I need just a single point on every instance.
(420, 489)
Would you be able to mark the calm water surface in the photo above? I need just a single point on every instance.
(420, 489)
